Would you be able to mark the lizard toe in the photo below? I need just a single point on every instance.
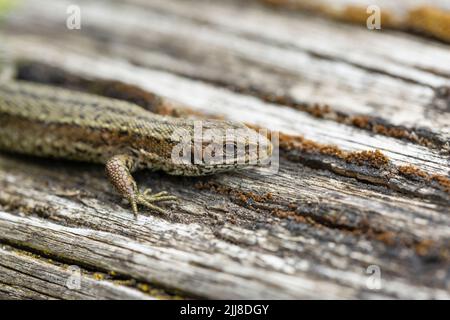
(144, 201)
(160, 196)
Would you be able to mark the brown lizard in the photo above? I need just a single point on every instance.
(52, 122)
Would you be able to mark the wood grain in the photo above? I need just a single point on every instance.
(335, 207)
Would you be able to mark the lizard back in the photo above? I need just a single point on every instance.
(44, 121)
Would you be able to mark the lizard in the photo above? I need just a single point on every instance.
(54, 122)
(46, 121)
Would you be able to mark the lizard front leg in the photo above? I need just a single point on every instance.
(119, 169)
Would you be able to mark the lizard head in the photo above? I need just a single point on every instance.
(207, 147)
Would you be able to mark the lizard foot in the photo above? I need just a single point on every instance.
(147, 199)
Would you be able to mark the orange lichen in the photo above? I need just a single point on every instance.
(288, 214)
(319, 111)
(409, 170)
(359, 15)
(375, 158)
(362, 122)
(289, 142)
(244, 197)
(432, 20)
(427, 19)
(423, 247)
(443, 181)
(391, 132)
(387, 237)
(368, 123)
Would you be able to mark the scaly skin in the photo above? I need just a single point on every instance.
(51, 122)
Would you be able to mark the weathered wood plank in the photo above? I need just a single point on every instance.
(308, 231)
(209, 245)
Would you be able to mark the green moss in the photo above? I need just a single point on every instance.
(6, 6)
